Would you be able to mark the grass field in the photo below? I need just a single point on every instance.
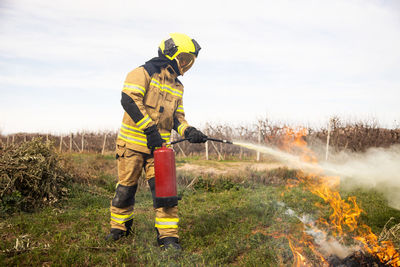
(227, 218)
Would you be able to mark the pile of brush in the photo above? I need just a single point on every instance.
(31, 176)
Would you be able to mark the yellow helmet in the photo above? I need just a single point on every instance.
(182, 48)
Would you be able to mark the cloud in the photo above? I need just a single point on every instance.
(330, 53)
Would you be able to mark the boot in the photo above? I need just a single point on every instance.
(116, 234)
(169, 242)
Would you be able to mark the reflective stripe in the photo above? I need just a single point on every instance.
(166, 88)
(180, 127)
(124, 135)
(121, 218)
(166, 226)
(155, 82)
(131, 130)
(137, 140)
(132, 139)
(143, 122)
(134, 87)
(166, 136)
(166, 139)
(180, 109)
(136, 136)
(131, 127)
(167, 222)
(167, 219)
(171, 90)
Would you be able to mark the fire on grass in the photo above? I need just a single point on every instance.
(343, 223)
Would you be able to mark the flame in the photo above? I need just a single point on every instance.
(299, 259)
(344, 218)
(294, 142)
(297, 245)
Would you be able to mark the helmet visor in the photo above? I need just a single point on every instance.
(185, 61)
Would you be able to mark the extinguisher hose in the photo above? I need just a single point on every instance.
(208, 139)
(220, 140)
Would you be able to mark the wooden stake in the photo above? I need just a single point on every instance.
(206, 143)
(183, 153)
(219, 154)
(259, 139)
(77, 147)
(61, 141)
(13, 137)
(70, 142)
(104, 144)
(327, 140)
(83, 142)
(7, 140)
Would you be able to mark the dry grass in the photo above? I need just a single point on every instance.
(392, 233)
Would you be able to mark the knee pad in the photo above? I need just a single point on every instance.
(124, 196)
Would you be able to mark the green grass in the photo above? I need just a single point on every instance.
(215, 229)
(223, 222)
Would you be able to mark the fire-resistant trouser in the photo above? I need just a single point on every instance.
(130, 164)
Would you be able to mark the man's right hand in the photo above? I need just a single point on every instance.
(195, 136)
(153, 137)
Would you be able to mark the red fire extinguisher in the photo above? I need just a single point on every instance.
(165, 172)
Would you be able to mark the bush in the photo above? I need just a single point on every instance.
(31, 176)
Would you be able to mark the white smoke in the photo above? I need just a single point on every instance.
(378, 168)
(327, 245)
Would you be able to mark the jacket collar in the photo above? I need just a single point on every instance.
(170, 73)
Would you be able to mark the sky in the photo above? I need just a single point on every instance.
(63, 63)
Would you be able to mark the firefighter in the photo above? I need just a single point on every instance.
(152, 100)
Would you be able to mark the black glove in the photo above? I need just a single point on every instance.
(195, 136)
(153, 137)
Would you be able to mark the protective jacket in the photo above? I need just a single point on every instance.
(151, 95)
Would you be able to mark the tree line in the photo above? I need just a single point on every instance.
(353, 136)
